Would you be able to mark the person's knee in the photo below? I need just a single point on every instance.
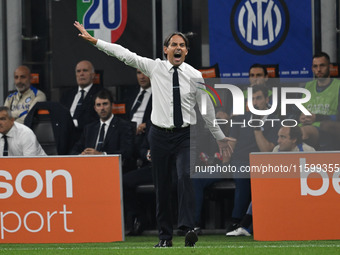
(326, 126)
(310, 135)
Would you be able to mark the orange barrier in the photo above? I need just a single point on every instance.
(61, 200)
(209, 73)
(296, 197)
(118, 109)
(35, 78)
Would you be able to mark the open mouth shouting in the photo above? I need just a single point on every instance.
(178, 57)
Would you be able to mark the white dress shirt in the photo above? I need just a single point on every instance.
(139, 114)
(160, 73)
(305, 147)
(76, 99)
(107, 124)
(21, 142)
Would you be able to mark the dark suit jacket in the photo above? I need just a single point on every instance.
(146, 119)
(118, 139)
(129, 104)
(87, 113)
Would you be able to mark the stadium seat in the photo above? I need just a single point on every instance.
(52, 124)
(42, 127)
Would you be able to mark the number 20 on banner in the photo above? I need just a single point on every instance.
(104, 19)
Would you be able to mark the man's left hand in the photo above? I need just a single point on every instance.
(141, 128)
(91, 151)
(225, 147)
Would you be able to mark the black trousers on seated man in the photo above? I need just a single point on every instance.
(131, 180)
(166, 147)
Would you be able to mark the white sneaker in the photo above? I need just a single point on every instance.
(238, 232)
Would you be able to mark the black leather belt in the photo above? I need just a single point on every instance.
(171, 130)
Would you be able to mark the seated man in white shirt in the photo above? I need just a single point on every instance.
(290, 139)
(16, 138)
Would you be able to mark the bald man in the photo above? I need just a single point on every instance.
(82, 113)
(21, 101)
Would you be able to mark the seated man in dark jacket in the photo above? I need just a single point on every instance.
(109, 135)
(79, 99)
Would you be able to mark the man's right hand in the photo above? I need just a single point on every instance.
(307, 119)
(148, 156)
(84, 34)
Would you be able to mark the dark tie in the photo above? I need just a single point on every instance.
(137, 104)
(5, 153)
(101, 138)
(79, 105)
(178, 118)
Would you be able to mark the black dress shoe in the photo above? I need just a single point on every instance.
(163, 243)
(191, 238)
(198, 231)
(136, 229)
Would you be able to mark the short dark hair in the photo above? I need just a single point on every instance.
(6, 109)
(105, 94)
(168, 38)
(261, 87)
(257, 65)
(296, 133)
(322, 54)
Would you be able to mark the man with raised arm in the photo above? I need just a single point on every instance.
(173, 100)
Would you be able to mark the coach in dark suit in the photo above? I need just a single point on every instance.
(79, 100)
(109, 135)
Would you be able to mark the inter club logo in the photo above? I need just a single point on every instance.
(104, 19)
(259, 26)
